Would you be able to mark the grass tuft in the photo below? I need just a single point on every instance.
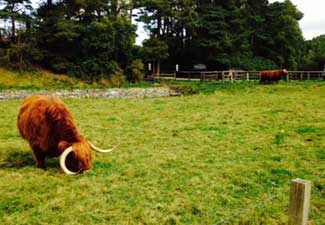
(306, 130)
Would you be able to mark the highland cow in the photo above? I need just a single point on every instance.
(270, 76)
(47, 125)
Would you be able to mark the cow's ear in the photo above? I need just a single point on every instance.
(63, 145)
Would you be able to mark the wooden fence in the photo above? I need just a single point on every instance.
(233, 75)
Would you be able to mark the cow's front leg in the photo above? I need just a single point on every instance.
(40, 158)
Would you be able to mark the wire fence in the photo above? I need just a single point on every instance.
(258, 204)
(249, 208)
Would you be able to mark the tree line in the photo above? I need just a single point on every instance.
(95, 39)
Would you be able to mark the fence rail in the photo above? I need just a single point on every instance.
(233, 75)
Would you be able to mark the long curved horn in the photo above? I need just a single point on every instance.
(101, 150)
(62, 162)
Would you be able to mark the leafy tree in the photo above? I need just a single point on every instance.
(214, 37)
(135, 73)
(315, 54)
(155, 50)
(59, 34)
(102, 45)
(85, 38)
(285, 40)
(171, 22)
(16, 11)
(221, 32)
(17, 43)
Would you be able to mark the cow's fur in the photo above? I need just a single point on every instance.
(270, 76)
(47, 125)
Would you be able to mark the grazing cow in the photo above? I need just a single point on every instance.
(47, 125)
(270, 76)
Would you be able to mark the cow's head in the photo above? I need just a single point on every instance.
(77, 157)
(285, 72)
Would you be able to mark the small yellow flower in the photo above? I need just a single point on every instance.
(282, 131)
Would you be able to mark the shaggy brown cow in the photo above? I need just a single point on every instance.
(269, 76)
(47, 125)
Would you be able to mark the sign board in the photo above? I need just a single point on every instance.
(200, 67)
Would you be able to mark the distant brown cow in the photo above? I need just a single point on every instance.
(47, 125)
(270, 76)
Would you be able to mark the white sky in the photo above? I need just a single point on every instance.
(312, 24)
(142, 34)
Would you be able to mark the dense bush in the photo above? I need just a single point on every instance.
(117, 77)
(252, 63)
(315, 54)
(135, 71)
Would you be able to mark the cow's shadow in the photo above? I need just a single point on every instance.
(24, 159)
(19, 159)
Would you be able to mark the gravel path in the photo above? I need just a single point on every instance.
(96, 93)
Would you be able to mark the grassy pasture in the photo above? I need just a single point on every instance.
(183, 160)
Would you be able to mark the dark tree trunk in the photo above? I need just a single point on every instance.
(13, 27)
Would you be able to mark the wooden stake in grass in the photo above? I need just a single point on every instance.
(299, 202)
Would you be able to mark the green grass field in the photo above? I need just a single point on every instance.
(183, 160)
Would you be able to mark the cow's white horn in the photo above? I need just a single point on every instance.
(62, 162)
(101, 150)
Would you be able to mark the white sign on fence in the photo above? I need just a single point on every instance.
(200, 67)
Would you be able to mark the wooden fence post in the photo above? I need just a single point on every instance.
(247, 76)
(299, 202)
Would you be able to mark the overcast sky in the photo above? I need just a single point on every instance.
(312, 24)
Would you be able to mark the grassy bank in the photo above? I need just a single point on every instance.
(45, 80)
(36, 80)
(183, 160)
